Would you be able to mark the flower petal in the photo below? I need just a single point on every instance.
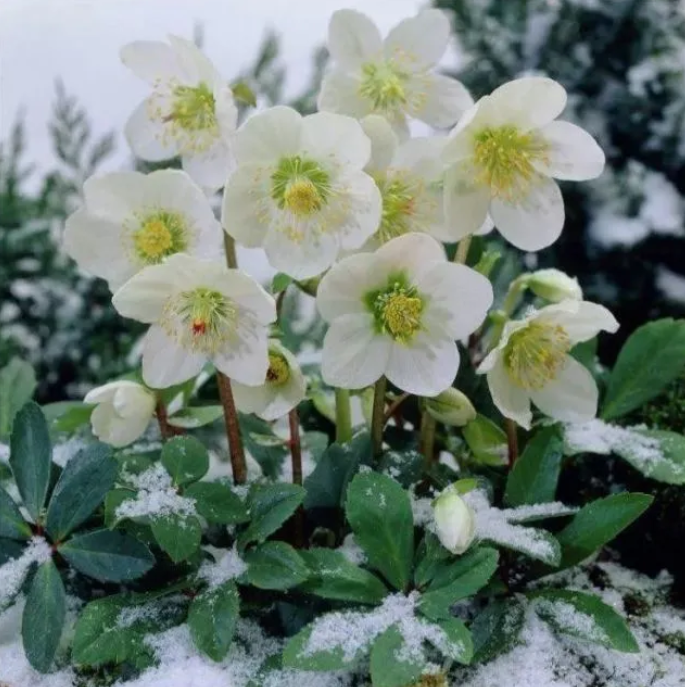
(418, 43)
(437, 100)
(248, 361)
(304, 258)
(362, 205)
(146, 136)
(415, 253)
(242, 213)
(354, 356)
(340, 93)
(268, 136)
(425, 367)
(512, 401)
(582, 320)
(251, 399)
(535, 222)
(335, 137)
(194, 64)
(165, 363)
(530, 102)
(466, 203)
(353, 38)
(247, 293)
(210, 168)
(115, 196)
(571, 397)
(383, 141)
(573, 153)
(151, 61)
(116, 431)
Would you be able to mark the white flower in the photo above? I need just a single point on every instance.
(199, 311)
(451, 407)
(397, 312)
(191, 111)
(132, 220)
(501, 157)
(532, 363)
(299, 189)
(391, 77)
(454, 521)
(124, 410)
(554, 285)
(282, 389)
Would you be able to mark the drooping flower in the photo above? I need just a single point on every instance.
(199, 311)
(123, 411)
(532, 363)
(502, 157)
(391, 77)
(397, 312)
(132, 220)
(191, 111)
(282, 389)
(554, 285)
(455, 523)
(451, 407)
(299, 189)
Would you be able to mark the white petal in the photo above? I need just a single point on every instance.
(458, 298)
(422, 155)
(248, 361)
(268, 136)
(419, 42)
(340, 93)
(512, 401)
(535, 222)
(459, 146)
(194, 64)
(438, 100)
(211, 168)
(301, 259)
(106, 392)
(247, 293)
(133, 401)
(152, 61)
(116, 431)
(571, 397)
(165, 363)
(241, 213)
(354, 356)
(146, 138)
(342, 289)
(582, 320)
(251, 399)
(424, 367)
(573, 155)
(485, 228)
(340, 139)
(413, 253)
(383, 139)
(115, 196)
(353, 38)
(531, 102)
(97, 246)
(466, 203)
(362, 205)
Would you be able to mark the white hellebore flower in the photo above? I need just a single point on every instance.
(282, 389)
(191, 111)
(502, 156)
(199, 311)
(391, 77)
(532, 363)
(299, 189)
(554, 285)
(397, 312)
(454, 521)
(124, 410)
(132, 220)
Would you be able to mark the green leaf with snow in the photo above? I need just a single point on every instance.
(178, 535)
(275, 565)
(185, 459)
(652, 357)
(17, 384)
(662, 459)
(379, 512)
(212, 618)
(497, 628)
(307, 650)
(586, 617)
(334, 577)
(455, 642)
(12, 523)
(597, 523)
(487, 441)
(268, 449)
(217, 502)
(535, 474)
(196, 416)
(393, 663)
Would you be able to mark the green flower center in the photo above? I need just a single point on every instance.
(279, 370)
(397, 309)
(384, 84)
(159, 235)
(504, 156)
(535, 355)
(300, 186)
(193, 108)
(399, 200)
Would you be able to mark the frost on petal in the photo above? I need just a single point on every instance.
(437, 100)
(353, 38)
(573, 153)
(165, 362)
(512, 401)
(419, 42)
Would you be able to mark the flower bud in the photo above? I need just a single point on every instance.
(451, 407)
(554, 286)
(124, 410)
(455, 524)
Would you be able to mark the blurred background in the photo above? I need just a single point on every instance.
(64, 99)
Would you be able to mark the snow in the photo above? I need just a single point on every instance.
(671, 284)
(352, 551)
(14, 572)
(227, 565)
(63, 452)
(568, 616)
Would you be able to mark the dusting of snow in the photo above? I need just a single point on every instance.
(63, 452)
(14, 572)
(672, 285)
(4, 453)
(566, 615)
(352, 551)
(228, 565)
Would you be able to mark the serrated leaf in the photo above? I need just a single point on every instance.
(487, 441)
(81, 488)
(185, 459)
(392, 663)
(379, 512)
(212, 619)
(177, 535)
(496, 629)
(196, 416)
(217, 502)
(12, 523)
(17, 384)
(31, 457)
(275, 565)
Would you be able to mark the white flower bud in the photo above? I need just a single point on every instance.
(451, 407)
(554, 286)
(455, 524)
(124, 410)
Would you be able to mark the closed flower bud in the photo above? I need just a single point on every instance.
(554, 286)
(455, 524)
(451, 407)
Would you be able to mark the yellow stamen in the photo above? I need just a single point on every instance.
(153, 239)
(401, 315)
(302, 197)
(279, 370)
(384, 84)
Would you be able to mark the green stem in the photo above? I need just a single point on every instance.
(463, 250)
(229, 250)
(343, 416)
(378, 416)
(427, 438)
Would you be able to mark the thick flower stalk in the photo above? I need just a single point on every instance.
(190, 113)
(392, 77)
(397, 313)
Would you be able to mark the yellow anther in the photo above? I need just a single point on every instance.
(153, 239)
(279, 370)
(302, 197)
(401, 315)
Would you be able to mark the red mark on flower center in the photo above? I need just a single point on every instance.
(199, 326)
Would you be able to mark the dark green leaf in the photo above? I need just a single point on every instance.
(244, 94)
(17, 384)
(81, 488)
(31, 457)
(586, 353)
(535, 474)
(196, 416)
(185, 459)
(275, 565)
(43, 619)
(178, 535)
(280, 282)
(113, 500)
(653, 356)
(316, 443)
(263, 445)
(212, 619)
(297, 654)
(334, 577)
(392, 663)
(217, 502)
(108, 556)
(459, 643)
(379, 512)
(12, 523)
(496, 628)
(430, 555)
(487, 441)
(10, 549)
(67, 416)
(598, 523)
